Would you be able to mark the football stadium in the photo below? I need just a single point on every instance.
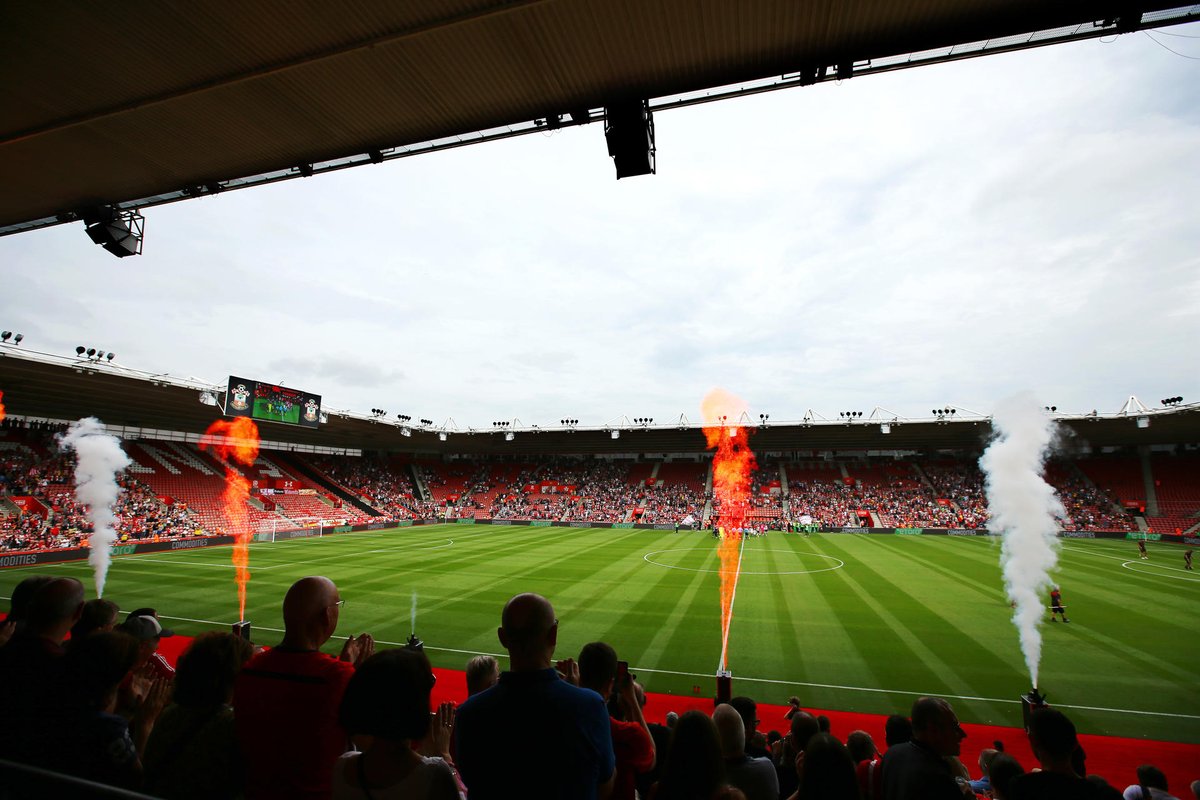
(236, 588)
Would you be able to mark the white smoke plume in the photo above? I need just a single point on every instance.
(100, 459)
(1024, 510)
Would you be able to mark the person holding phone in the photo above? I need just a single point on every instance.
(633, 746)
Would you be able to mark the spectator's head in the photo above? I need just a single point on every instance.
(98, 615)
(56, 607)
(861, 746)
(986, 756)
(206, 671)
(529, 631)
(1004, 769)
(1195, 787)
(22, 598)
(597, 668)
(672, 719)
(311, 609)
(1052, 737)
(388, 696)
(148, 631)
(748, 710)
(897, 729)
(730, 729)
(804, 726)
(824, 724)
(1152, 777)
(693, 766)
(773, 736)
(935, 725)
(97, 665)
(483, 672)
(828, 770)
(144, 611)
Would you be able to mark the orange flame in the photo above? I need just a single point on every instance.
(1, 406)
(235, 440)
(732, 465)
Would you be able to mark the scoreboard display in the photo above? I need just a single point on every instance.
(266, 402)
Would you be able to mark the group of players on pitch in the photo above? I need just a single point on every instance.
(1057, 608)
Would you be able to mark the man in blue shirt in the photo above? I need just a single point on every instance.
(533, 734)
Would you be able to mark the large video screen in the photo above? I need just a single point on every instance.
(267, 402)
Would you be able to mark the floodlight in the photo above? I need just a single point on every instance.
(629, 131)
(111, 356)
(6, 335)
(79, 350)
(118, 232)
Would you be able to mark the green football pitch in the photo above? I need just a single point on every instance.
(846, 622)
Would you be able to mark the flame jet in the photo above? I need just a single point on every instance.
(733, 462)
(235, 441)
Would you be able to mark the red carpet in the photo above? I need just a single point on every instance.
(1113, 757)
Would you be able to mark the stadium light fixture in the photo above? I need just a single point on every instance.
(119, 232)
(629, 132)
(17, 340)
(6, 335)
(111, 355)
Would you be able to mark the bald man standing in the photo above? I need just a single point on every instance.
(286, 699)
(918, 770)
(533, 734)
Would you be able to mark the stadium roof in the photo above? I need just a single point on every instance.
(142, 103)
(66, 389)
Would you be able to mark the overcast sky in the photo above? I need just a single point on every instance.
(941, 235)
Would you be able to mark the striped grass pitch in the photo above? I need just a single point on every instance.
(847, 622)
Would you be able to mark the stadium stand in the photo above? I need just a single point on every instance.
(174, 489)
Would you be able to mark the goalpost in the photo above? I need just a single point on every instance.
(297, 528)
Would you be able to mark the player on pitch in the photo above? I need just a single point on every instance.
(1142, 549)
(1056, 605)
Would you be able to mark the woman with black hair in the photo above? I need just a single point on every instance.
(386, 711)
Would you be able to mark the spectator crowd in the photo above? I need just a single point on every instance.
(97, 703)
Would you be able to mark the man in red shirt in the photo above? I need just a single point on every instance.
(286, 699)
(632, 743)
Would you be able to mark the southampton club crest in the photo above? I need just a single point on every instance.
(241, 397)
(310, 410)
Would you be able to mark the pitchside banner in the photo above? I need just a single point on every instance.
(79, 553)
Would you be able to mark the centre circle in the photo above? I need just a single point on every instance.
(837, 562)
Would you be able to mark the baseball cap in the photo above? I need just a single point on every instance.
(145, 628)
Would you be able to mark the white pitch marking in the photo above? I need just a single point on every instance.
(1157, 575)
(771, 680)
(839, 564)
